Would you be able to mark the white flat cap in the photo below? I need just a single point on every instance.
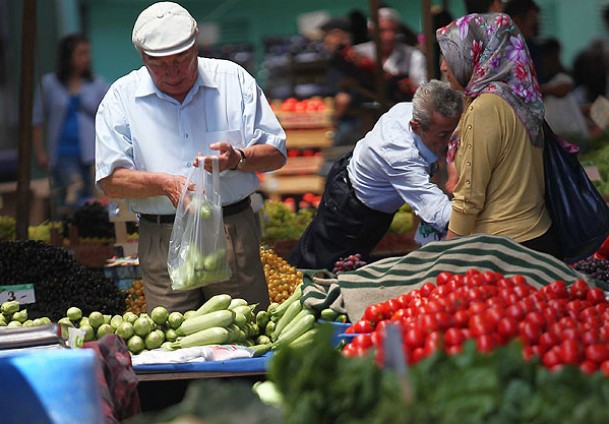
(163, 29)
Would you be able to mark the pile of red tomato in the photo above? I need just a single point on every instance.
(559, 324)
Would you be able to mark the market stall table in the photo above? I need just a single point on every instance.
(238, 367)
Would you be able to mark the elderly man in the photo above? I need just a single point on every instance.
(151, 126)
(390, 166)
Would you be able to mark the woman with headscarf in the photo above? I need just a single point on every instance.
(500, 190)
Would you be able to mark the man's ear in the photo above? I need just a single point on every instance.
(415, 125)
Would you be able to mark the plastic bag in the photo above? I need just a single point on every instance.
(578, 211)
(197, 249)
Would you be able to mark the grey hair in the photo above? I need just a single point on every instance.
(386, 13)
(436, 96)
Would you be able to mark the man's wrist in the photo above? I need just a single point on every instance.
(241, 160)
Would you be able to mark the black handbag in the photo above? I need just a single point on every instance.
(579, 213)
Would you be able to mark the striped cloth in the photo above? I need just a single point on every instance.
(391, 277)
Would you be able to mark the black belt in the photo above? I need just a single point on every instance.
(227, 210)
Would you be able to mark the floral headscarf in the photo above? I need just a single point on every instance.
(488, 54)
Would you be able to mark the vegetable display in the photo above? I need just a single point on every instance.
(59, 280)
(560, 325)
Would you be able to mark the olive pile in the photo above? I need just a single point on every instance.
(59, 281)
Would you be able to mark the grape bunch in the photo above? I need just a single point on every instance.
(349, 263)
(594, 267)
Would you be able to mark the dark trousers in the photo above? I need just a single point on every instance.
(546, 243)
(343, 225)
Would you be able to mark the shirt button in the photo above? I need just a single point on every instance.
(469, 127)
(467, 182)
(471, 108)
(188, 164)
(186, 135)
(469, 163)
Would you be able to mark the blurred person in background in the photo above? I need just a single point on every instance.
(64, 125)
(341, 77)
(405, 64)
(563, 114)
(483, 6)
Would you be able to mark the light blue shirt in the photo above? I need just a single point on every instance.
(391, 166)
(139, 127)
(50, 109)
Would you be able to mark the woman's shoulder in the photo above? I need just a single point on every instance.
(489, 104)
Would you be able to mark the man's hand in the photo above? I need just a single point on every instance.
(173, 186)
(228, 157)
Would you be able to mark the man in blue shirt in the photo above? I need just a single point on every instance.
(151, 126)
(390, 166)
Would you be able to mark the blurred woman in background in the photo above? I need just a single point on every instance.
(64, 125)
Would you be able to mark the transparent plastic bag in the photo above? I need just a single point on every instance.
(197, 249)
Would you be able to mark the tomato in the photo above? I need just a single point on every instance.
(461, 318)
(537, 318)
(507, 327)
(432, 342)
(548, 340)
(352, 351)
(521, 291)
(551, 358)
(362, 340)
(443, 278)
(493, 315)
(362, 326)
(444, 320)
(489, 277)
(474, 294)
(570, 351)
(579, 289)
(427, 323)
(604, 334)
(414, 337)
(588, 367)
(529, 332)
(432, 307)
(479, 326)
(605, 368)
(454, 349)
(485, 343)
(392, 305)
(453, 336)
(417, 354)
(519, 280)
(597, 352)
(477, 307)
(595, 296)
(590, 337)
(403, 300)
(439, 292)
(558, 290)
(515, 311)
(426, 289)
(589, 314)
(474, 280)
(570, 334)
(472, 272)
(375, 313)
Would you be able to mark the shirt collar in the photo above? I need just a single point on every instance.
(425, 151)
